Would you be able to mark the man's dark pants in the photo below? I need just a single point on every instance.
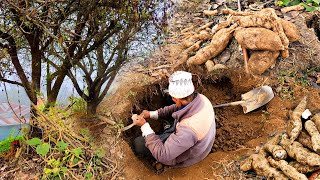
(140, 148)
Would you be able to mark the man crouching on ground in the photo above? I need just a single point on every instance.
(191, 137)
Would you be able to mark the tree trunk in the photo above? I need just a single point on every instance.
(36, 55)
(92, 107)
(54, 91)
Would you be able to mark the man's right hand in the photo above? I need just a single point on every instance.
(145, 114)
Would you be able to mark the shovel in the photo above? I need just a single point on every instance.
(252, 99)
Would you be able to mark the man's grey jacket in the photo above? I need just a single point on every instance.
(194, 135)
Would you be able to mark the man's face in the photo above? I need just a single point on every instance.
(177, 101)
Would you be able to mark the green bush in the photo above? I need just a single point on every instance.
(5, 145)
(309, 5)
(78, 104)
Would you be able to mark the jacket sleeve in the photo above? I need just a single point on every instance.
(177, 143)
(167, 111)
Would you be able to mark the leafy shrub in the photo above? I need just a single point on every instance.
(5, 145)
(56, 167)
(309, 5)
(78, 104)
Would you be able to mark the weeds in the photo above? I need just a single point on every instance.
(65, 154)
(288, 79)
(131, 94)
(78, 104)
(63, 160)
(285, 79)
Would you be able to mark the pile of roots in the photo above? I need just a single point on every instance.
(291, 155)
(263, 33)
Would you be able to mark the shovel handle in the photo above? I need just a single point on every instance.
(229, 104)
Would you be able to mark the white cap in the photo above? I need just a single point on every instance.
(180, 84)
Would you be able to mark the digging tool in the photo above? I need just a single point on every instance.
(252, 99)
(134, 118)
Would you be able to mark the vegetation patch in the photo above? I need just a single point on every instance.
(61, 152)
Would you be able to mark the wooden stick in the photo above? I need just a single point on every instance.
(239, 5)
(244, 50)
(246, 58)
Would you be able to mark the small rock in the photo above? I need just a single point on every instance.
(294, 13)
(220, 2)
(224, 56)
(278, 89)
(215, 6)
(158, 166)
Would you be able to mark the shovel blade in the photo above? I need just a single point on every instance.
(256, 98)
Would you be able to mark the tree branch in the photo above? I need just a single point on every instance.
(10, 82)
(76, 85)
(105, 91)
(15, 60)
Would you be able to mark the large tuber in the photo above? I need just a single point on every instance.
(290, 30)
(288, 170)
(303, 168)
(316, 120)
(260, 164)
(296, 151)
(258, 39)
(295, 124)
(260, 61)
(218, 43)
(315, 135)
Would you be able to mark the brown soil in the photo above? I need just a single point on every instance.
(238, 134)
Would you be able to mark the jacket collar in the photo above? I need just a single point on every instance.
(190, 109)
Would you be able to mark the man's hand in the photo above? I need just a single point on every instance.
(145, 114)
(139, 120)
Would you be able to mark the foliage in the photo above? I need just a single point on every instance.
(56, 167)
(309, 5)
(5, 145)
(77, 104)
(95, 38)
(66, 153)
